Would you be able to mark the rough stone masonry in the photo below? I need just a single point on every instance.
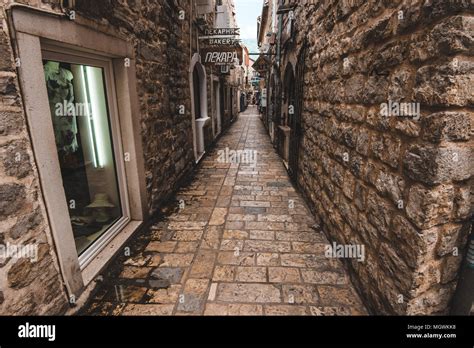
(162, 47)
(398, 185)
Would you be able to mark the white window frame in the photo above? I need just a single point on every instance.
(35, 33)
(62, 54)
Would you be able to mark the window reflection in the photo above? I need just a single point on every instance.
(82, 131)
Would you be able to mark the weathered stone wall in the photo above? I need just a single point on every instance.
(163, 52)
(163, 47)
(26, 287)
(399, 186)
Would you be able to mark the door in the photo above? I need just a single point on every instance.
(287, 114)
(275, 107)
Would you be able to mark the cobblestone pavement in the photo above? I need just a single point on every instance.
(241, 244)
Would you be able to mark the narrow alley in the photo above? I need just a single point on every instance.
(241, 243)
(237, 157)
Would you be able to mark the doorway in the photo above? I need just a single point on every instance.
(295, 119)
(201, 120)
(287, 114)
(217, 109)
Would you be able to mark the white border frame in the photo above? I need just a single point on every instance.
(32, 31)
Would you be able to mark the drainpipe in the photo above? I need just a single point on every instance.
(463, 300)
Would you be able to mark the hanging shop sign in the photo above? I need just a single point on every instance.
(221, 37)
(220, 41)
(222, 55)
(225, 69)
(262, 65)
(222, 31)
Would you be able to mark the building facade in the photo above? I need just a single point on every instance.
(104, 109)
(229, 84)
(267, 31)
(370, 106)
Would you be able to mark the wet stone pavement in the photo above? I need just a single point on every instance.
(238, 240)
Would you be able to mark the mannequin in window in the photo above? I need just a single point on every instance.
(61, 93)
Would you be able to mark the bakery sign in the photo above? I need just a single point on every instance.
(221, 41)
(222, 31)
(261, 65)
(222, 55)
(221, 37)
(223, 48)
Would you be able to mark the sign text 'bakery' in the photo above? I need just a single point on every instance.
(223, 46)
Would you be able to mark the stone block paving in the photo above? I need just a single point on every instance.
(243, 243)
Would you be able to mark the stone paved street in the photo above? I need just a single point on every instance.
(241, 243)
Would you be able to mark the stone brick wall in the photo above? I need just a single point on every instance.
(163, 49)
(399, 186)
(26, 287)
(162, 44)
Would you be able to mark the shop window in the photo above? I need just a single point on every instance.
(82, 130)
(79, 91)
